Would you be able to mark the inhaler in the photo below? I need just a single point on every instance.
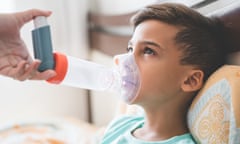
(42, 43)
(122, 79)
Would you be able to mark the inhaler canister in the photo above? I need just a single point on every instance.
(42, 43)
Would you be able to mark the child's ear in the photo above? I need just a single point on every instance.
(193, 81)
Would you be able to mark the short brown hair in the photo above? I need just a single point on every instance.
(199, 37)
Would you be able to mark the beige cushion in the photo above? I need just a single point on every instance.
(214, 116)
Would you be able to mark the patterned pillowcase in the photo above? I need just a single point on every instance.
(214, 116)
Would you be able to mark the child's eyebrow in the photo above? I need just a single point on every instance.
(152, 43)
(148, 43)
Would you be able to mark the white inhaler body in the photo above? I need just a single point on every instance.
(123, 78)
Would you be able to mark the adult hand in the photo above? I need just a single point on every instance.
(15, 60)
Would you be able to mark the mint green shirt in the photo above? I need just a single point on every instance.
(119, 132)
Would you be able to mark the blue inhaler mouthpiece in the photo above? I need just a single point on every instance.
(42, 43)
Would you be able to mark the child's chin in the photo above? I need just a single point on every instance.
(129, 99)
(129, 92)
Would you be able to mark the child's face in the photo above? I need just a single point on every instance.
(158, 59)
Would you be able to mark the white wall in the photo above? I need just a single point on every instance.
(112, 7)
(32, 99)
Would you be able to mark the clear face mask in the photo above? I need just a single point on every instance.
(129, 76)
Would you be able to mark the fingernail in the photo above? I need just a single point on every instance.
(27, 66)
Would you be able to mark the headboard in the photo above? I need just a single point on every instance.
(109, 33)
(231, 18)
(232, 22)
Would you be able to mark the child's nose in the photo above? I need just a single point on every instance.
(116, 60)
(119, 59)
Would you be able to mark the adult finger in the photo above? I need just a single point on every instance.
(28, 15)
(30, 71)
(16, 72)
(44, 75)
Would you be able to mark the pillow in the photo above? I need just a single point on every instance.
(214, 115)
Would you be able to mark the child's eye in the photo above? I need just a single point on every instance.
(149, 51)
(129, 49)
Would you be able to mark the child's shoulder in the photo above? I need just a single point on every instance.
(121, 125)
(125, 121)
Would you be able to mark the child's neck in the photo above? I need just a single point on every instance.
(163, 123)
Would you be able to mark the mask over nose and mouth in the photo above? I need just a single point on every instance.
(129, 76)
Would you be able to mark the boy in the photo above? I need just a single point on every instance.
(176, 49)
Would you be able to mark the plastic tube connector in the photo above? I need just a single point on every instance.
(61, 67)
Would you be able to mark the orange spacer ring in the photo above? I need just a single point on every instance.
(61, 66)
